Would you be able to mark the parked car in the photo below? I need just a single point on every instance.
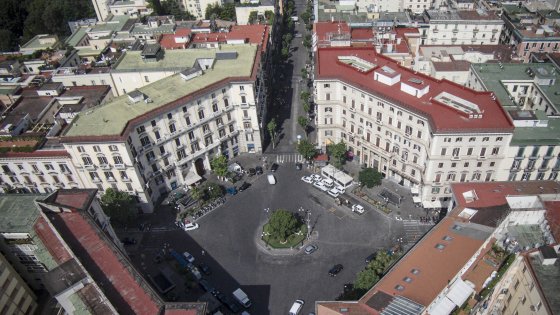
(320, 186)
(316, 177)
(309, 249)
(296, 307)
(274, 167)
(328, 182)
(231, 304)
(340, 189)
(188, 257)
(207, 286)
(190, 226)
(252, 172)
(259, 170)
(371, 257)
(307, 179)
(271, 179)
(128, 241)
(232, 191)
(358, 208)
(333, 192)
(299, 166)
(205, 269)
(336, 269)
(244, 186)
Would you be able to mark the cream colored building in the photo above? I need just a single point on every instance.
(525, 286)
(163, 135)
(15, 297)
(421, 132)
(461, 27)
(198, 7)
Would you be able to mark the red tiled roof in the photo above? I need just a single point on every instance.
(73, 198)
(167, 41)
(436, 266)
(180, 312)
(494, 193)
(361, 33)
(51, 241)
(553, 218)
(35, 154)
(254, 34)
(115, 278)
(442, 118)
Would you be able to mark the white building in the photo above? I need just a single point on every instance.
(198, 7)
(105, 8)
(419, 131)
(463, 27)
(163, 135)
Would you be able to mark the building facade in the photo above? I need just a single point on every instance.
(168, 131)
(16, 296)
(400, 123)
(460, 27)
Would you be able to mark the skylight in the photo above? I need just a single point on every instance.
(415, 271)
(459, 104)
(399, 287)
(357, 63)
(440, 246)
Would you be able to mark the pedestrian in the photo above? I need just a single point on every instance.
(203, 252)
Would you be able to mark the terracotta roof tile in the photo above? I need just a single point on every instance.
(553, 218)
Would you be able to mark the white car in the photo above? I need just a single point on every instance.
(316, 177)
(190, 226)
(307, 179)
(334, 192)
(296, 307)
(328, 182)
(188, 257)
(340, 189)
(358, 208)
(319, 185)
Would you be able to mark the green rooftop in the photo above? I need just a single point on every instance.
(76, 37)
(172, 59)
(18, 212)
(145, 29)
(42, 41)
(116, 24)
(492, 76)
(549, 135)
(111, 118)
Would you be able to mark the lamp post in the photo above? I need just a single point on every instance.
(308, 223)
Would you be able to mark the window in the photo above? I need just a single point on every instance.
(214, 107)
(140, 129)
(85, 159)
(243, 99)
(482, 151)
(495, 151)
(172, 128)
(102, 160)
(469, 151)
(181, 154)
(201, 114)
(485, 139)
(226, 102)
(326, 85)
(94, 176)
(443, 151)
(96, 148)
(241, 88)
(146, 78)
(188, 120)
(456, 152)
(145, 141)
(162, 150)
(81, 149)
(156, 133)
(117, 159)
(169, 116)
(113, 148)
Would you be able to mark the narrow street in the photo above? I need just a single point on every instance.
(286, 106)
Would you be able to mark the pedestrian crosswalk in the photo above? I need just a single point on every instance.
(285, 158)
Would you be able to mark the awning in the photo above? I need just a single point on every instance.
(416, 199)
(432, 204)
(459, 292)
(442, 307)
(337, 175)
(414, 190)
(191, 177)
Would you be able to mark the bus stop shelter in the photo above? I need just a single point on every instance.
(337, 176)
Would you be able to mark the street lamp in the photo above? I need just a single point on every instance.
(298, 139)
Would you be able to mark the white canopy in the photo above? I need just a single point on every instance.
(337, 175)
(416, 199)
(459, 292)
(414, 190)
(191, 177)
(442, 307)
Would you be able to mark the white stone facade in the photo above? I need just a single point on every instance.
(463, 28)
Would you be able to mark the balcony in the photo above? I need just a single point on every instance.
(126, 180)
(436, 30)
(105, 166)
(120, 166)
(89, 167)
(111, 180)
(36, 172)
(476, 30)
(455, 158)
(455, 30)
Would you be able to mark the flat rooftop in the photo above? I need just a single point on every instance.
(549, 278)
(549, 135)
(442, 118)
(492, 76)
(111, 118)
(177, 59)
(35, 42)
(454, 15)
(18, 212)
(32, 105)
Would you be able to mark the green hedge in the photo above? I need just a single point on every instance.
(293, 240)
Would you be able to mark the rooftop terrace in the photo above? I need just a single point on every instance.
(111, 118)
(18, 212)
(172, 59)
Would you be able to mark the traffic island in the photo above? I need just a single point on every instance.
(284, 230)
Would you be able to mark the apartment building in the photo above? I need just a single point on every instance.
(421, 132)
(163, 135)
(198, 7)
(454, 263)
(31, 156)
(463, 27)
(63, 243)
(530, 30)
(454, 62)
(104, 9)
(16, 297)
(529, 93)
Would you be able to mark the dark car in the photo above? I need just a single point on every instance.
(274, 167)
(348, 287)
(205, 269)
(299, 166)
(252, 172)
(231, 304)
(128, 241)
(259, 170)
(336, 269)
(244, 186)
(232, 191)
(371, 257)
(206, 286)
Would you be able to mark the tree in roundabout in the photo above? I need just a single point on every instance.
(284, 229)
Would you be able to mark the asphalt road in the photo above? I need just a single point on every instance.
(228, 236)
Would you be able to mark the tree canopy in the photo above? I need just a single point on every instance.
(223, 12)
(337, 153)
(306, 149)
(272, 129)
(118, 205)
(219, 165)
(282, 224)
(20, 20)
(370, 177)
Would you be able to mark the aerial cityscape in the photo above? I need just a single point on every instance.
(301, 157)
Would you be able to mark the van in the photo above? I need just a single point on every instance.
(296, 307)
(271, 179)
(242, 298)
